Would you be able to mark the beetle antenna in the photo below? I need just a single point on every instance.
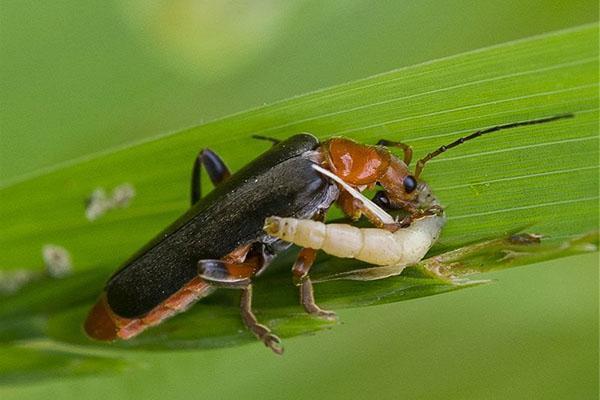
(421, 162)
(267, 138)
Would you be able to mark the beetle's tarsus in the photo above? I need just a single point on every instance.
(262, 332)
(307, 298)
(273, 342)
(436, 210)
(326, 315)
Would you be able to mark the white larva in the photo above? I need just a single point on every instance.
(376, 246)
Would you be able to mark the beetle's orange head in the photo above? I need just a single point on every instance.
(400, 184)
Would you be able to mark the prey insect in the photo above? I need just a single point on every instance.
(220, 242)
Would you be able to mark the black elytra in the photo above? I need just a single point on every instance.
(279, 182)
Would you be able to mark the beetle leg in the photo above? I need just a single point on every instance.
(300, 270)
(307, 297)
(259, 330)
(235, 270)
(221, 274)
(232, 275)
(415, 213)
(355, 208)
(406, 149)
(215, 167)
(350, 207)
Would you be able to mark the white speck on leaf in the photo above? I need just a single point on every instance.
(99, 202)
(57, 261)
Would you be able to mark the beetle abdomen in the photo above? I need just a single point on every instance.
(103, 324)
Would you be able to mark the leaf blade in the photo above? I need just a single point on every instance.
(504, 182)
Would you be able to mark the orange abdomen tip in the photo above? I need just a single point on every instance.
(100, 323)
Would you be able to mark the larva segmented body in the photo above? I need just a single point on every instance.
(375, 246)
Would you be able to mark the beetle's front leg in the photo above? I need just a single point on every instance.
(413, 212)
(300, 270)
(354, 208)
(226, 275)
(238, 276)
(406, 149)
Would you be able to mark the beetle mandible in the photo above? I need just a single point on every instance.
(220, 242)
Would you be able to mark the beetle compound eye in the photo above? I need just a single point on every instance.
(410, 184)
(381, 199)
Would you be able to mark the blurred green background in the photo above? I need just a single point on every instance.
(78, 78)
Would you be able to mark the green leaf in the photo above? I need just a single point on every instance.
(20, 364)
(543, 177)
(215, 321)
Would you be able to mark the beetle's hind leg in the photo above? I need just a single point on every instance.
(259, 330)
(215, 167)
(232, 275)
(300, 270)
